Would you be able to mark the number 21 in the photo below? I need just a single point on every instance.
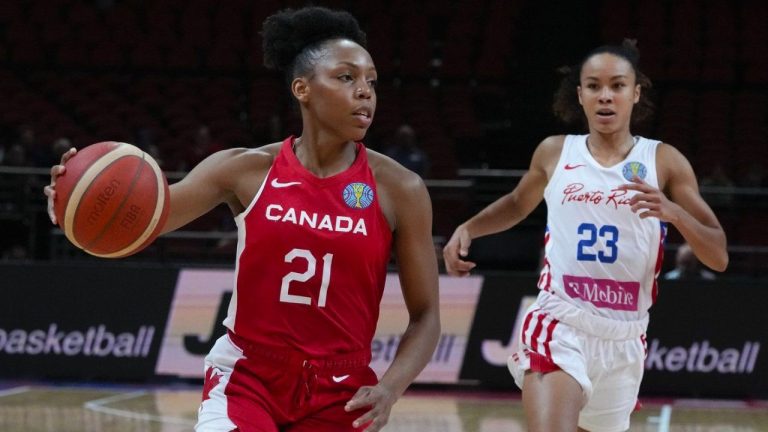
(287, 297)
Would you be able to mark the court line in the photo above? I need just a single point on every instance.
(14, 391)
(97, 405)
(664, 417)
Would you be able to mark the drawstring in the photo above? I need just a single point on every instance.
(308, 384)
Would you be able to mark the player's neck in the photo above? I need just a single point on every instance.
(324, 158)
(610, 148)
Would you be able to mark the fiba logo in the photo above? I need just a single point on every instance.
(632, 169)
(358, 195)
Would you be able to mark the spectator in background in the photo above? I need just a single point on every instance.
(58, 148)
(405, 149)
(687, 266)
(754, 177)
(145, 140)
(202, 146)
(717, 178)
(16, 156)
(26, 150)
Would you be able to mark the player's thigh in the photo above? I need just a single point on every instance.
(551, 401)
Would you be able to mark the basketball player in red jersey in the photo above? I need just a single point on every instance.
(610, 196)
(317, 216)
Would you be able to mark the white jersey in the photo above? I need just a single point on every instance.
(599, 255)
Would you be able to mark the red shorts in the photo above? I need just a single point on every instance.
(252, 388)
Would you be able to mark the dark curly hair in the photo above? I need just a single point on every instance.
(566, 103)
(292, 38)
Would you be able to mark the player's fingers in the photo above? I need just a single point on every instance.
(650, 197)
(68, 154)
(56, 171)
(365, 419)
(362, 398)
(51, 194)
(464, 242)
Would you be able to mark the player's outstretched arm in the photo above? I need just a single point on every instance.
(219, 178)
(419, 281)
(507, 211)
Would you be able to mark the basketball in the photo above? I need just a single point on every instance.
(112, 200)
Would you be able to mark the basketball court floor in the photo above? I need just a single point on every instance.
(90, 408)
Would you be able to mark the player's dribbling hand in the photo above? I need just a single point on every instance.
(456, 249)
(379, 399)
(650, 201)
(50, 190)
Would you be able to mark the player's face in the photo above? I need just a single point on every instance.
(341, 95)
(608, 92)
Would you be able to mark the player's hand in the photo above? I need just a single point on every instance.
(50, 190)
(650, 202)
(379, 399)
(456, 249)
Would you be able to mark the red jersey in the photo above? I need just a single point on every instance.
(311, 259)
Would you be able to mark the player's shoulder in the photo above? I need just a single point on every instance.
(667, 154)
(552, 144)
(247, 158)
(391, 174)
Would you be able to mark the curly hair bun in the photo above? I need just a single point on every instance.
(287, 33)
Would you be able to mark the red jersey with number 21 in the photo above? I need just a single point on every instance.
(311, 259)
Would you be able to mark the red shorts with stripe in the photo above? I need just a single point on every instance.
(255, 389)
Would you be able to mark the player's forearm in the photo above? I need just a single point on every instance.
(708, 243)
(499, 216)
(414, 352)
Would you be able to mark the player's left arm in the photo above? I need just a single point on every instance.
(417, 262)
(682, 206)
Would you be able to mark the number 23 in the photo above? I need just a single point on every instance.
(607, 232)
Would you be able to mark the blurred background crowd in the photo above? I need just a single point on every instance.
(465, 95)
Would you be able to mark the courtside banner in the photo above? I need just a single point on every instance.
(708, 339)
(202, 299)
(500, 311)
(705, 339)
(82, 321)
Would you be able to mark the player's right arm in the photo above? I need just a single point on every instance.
(230, 176)
(507, 211)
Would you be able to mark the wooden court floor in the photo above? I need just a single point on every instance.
(86, 408)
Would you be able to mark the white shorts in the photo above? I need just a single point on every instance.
(606, 357)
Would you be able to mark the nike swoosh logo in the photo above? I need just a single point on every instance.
(277, 184)
(570, 167)
(339, 379)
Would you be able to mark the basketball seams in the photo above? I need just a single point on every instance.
(91, 175)
(152, 225)
(86, 180)
(108, 224)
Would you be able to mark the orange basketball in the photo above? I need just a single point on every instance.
(112, 200)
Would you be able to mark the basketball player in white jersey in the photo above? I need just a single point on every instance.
(609, 197)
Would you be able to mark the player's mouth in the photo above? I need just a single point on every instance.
(605, 114)
(364, 115)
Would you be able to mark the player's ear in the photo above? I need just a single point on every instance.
(300, 89)
(578, 93)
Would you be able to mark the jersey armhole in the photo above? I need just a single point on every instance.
(558, 166)
(241, 216)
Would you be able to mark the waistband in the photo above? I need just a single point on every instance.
(606, 328)
(289, 358)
